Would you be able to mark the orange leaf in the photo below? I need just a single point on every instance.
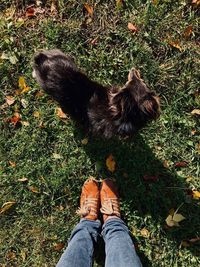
(176, 45)
(110, 163)
(188, 31)
(61, 114)
(33, 189)
(30, 12)
(59, 246)
(10, 100)
(89, 9)
(132, 28)
(15, 119)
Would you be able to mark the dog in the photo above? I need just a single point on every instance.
(104, 111)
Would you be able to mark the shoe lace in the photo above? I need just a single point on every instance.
(111, 207)
(89, 206)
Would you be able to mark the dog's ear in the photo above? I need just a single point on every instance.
(151, 106)
(121, 102)
(40, 58)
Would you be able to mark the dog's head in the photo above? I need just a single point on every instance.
(133, 105)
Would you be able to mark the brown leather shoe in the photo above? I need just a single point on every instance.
(109, 196)
(90, 200)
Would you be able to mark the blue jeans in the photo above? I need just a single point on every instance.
(120, 251)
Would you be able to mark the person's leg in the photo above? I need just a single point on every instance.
(81, 245)
(120, 251)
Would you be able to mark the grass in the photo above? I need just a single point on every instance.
(39, 221)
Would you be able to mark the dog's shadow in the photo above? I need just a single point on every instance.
(147, 188)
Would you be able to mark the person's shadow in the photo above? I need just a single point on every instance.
(146, 187)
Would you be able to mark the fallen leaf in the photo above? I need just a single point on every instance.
(30, 12)
(193, 132)
(174, 219)
(166, 164)
(185, 244)
(6, 206)
(195, 194)
(33, 189)
(23, 255)
(155, 2)
(15, 119)
(195, 111)
(23, 179)
(61, 114)
(24, 103)
(181, 164)
(196, 2)
(11, 255)
(84, 141)
(53, 8)
(188, 31)
(176, 45)
(150, 178)
(119, 3)
(10, 100)
(110, 163)
(22, 85)
(25, 123)
(36, 114)
(89, 9)
(39, 94)
(144, 232)
(132, 28)
(12, 164)
(59, 246)
(57, 156)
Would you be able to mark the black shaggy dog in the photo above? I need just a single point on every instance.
(104, 111)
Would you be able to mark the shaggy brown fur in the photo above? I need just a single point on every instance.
(105, 111)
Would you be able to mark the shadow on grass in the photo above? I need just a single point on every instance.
(135, 159)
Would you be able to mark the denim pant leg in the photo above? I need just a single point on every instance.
(79, 251)
(120, 251)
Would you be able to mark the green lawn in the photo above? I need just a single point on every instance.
(48, 151)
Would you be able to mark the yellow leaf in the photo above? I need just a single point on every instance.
(110, 163)
(61, 114)
(195, 111)
(10, 100)
(84, 141)
(119, 3)
(22, 85)
(178, 217)
(36, 114)
(6, 206)
(170, 222)
(176, 44)
(144, 232)
(165, 164)
(154, 2)
(195, 194)
(89, 9)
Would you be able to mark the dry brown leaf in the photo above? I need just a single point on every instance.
(144, 232)
(10, 100)
(15, 119)
(176, 45)
(181, 164)
(12, 164)
(60, 113)
(11, 255)
(154, 2)
(33, 189)
(188, 31)
(132, 27)
(196, 2)
(6, 206)
(110, 163)
(193, 132)
(165, 164)
(195, 111)
(89, 9)
(23, 179)
(59, 246)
